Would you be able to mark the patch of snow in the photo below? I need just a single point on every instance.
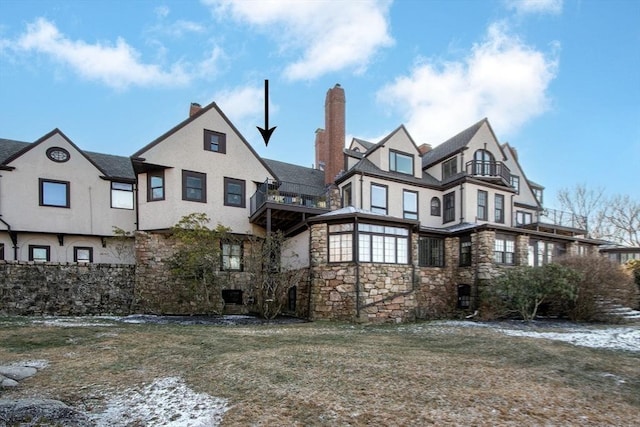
(75, 322)
(613, 338)
(38, 363)
(166, 402)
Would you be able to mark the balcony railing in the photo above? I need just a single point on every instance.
(288, 193)
(488, 169)
(562, 219)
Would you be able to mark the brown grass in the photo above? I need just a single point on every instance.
(338, 374)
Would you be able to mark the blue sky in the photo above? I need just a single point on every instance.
(559, 80)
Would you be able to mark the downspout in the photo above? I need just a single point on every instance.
(12, 234)
(361, 187)
(357, 258)
(462, 190)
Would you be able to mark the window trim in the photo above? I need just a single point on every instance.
(449, 167)
(34, 247)
(388, 232)
(465, 242)
(243, 195)
(79, 248)
(127, 191)
(186, 174)
(42, 181)
(498, 212)
(150, 176)
(449, 212)
(524, 215)
(405, 212)
(515, 183)
(505, 238)
(339, 231)
(436, 210)
(222, 142)
(482, 213)
(394, 154)
(426, 256)
(347, 190)
(231, 244)
(384, 208)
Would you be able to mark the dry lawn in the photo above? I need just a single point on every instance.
(337, 374)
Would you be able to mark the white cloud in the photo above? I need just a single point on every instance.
(116, 65)
(244, 103)
(501, 78)
(522, 7)
(326, 36)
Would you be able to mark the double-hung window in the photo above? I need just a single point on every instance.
(215, 141)
(499, 208)
(449, 207)
(379, 198)
(504, 249)
(194, 186)
(54, 193)
(121, 195)
(449, 168)
(465, 251)
(483, 198)
(234, 192)
(435, 206)
(515, 183)
(155, 186)
(409, 204)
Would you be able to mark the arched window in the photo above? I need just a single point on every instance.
(483, 163)
(435, 206)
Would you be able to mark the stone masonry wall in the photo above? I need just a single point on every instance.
(73, 289)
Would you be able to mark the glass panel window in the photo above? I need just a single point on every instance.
(1, 250)
(537, 192)
(449, 207)
(347, 196)
(194, 186)
(231, 256)
(121, 195)
(464, 296)
(39, 253)
(515, 183)
(499, 208)
(410, 204)
(379, 198)
(400, 162)
(341, 242)
(82, 254)
(483, 163)
(435, 206)
(54, 193)
(430, 252)
(155, 185)
(483, 198)
(383, 244)
(465, 251)
(504, 249)
(234, 192)
(449, 168)
(523, 218)
(215, 141)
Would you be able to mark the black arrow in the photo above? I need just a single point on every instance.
(266, 132)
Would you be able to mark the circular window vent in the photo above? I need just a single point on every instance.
(58, 154)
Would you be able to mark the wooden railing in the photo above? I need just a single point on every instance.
(288, 193)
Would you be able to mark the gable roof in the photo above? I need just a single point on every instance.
(109, 165)
(366, 144)
(190, 119)
(452, 145)
(297, 174)
(388, 137)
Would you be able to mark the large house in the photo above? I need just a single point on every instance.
(384, 230)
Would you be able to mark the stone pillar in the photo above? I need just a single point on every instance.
(522, 250)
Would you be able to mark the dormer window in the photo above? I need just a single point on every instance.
(400, 162)
(449, 168)
(537, 192)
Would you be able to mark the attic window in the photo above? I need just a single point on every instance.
(215, 141)
(58, 154)
(400, 162)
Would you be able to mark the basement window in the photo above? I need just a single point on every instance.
(232, 296)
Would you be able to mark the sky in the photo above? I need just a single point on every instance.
(558, 80)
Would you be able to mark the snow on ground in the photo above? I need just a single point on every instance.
(612, 338)
(166, 402)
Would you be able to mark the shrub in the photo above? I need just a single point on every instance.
(523, 290)
(601, 283)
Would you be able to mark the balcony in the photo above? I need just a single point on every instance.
(489, 170)
(558, 222)
(285, 206)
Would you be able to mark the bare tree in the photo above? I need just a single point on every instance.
(615, 218)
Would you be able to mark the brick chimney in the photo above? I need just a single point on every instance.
(195, 107)
(424, 148)
(334, 134)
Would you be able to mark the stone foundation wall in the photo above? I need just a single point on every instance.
(65, 289)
